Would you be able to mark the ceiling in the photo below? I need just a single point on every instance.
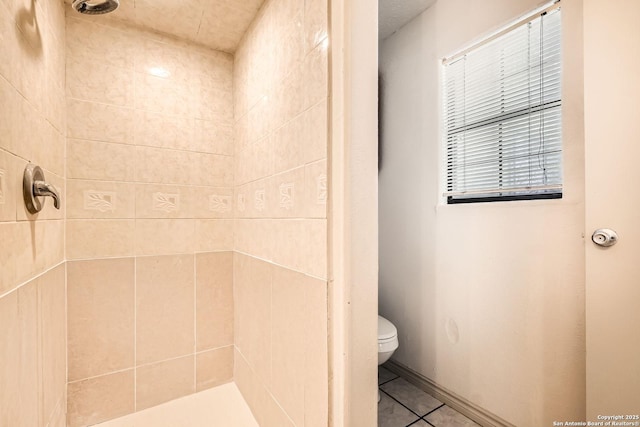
(393, 14)
(218, 24)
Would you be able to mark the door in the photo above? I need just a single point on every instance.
(612, 197)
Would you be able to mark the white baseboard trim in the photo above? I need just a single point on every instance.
(460, 404)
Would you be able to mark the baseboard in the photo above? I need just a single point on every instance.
(460, 404)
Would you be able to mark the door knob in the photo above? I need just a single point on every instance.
(604, 237)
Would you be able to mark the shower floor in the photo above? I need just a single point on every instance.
(219, 406)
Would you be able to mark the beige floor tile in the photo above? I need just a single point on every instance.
(222, 405)
(447, 417)
(393, 414)
(411, 396)
(385, 375)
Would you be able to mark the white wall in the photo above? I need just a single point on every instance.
(488, 298)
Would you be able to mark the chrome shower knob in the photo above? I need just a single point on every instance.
(34, 186)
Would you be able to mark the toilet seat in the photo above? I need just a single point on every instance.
(386, 330)
(388, 345)
(387, 336)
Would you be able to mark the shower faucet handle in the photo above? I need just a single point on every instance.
(41, 188)
(34, 186)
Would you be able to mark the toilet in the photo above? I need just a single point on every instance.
(387, 339)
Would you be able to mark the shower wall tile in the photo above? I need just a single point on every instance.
(164, 381)
(8, 272)
(288, 330)
(212, 137)
(252, 294)
(281, 341)
(316, 189)
(157, 165)
(214, 367)
(164, 236)
(108, 46)
(32, 285)
(99, 82)
(214, 235)
(298, 371)
(100, 160)
(316, 381)
(32, 350)
(53, 338)
(163, 166)
(100, 122)
(153, 54)
(164, 131)
(30, 379)
(9, 99)
(315, 23)
(212, 202)
(214, 300)
(315, 73)
(34, 138)
(280, 234)
(88, 404)
(9, 181)
(264, 407)
(164, 95)
(37, 247)
(100, 238)
(165, 309)
(100, 295)
(150, 161)
(164, 201)
(100, 200)
(298, 244)
(28, 249)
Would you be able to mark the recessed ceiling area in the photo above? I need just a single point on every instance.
(218, 24)
(393, 14)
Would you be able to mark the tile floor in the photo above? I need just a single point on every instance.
(402, 404)
(219, 406)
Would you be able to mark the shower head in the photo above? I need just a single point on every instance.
(99, 7)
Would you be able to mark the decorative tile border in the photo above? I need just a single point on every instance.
(286, 195)
(101, 201)
(166, 202)
(259, 200)
(241, 202)
(2, 191)
(219, 203)
(321, 189)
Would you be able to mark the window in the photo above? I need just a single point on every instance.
(503, 121)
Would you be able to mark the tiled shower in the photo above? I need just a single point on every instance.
(190, 250)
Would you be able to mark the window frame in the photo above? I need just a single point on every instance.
(548, 192)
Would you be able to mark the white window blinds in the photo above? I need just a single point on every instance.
(503, 115)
